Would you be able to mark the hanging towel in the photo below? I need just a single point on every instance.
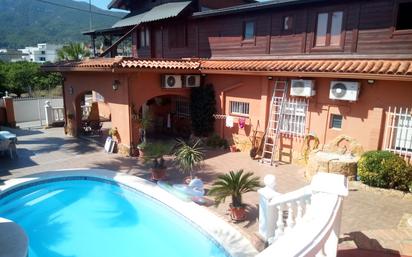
(169, 123)
(242, 122)
(229, 121)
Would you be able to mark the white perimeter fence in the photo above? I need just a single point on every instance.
(32, 111)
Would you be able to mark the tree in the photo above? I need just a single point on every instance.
(73, 52)
(21, 77)
(202, 107)
(2, 79)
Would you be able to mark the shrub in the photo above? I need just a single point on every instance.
(202, 107)
(384, 169)
(157, 148)
(216, 141)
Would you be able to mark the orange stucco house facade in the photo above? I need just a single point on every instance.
(232, 49)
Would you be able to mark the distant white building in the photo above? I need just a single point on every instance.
(41, 53)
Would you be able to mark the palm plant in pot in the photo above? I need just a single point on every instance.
(188, 156)
(141, 148)
(158, 168)
(234, 184)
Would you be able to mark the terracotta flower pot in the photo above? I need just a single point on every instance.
(141, 153)
(158, 174)
(238, 213)
(233, 148)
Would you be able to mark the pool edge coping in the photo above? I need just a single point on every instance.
(233, 242)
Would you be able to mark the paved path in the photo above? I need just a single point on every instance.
(370, 220)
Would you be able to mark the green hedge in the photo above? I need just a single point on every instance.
(384, 169)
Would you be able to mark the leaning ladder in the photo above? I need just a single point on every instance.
(276, 117)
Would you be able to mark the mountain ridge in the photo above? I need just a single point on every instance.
(28, 22)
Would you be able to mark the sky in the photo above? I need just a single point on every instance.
(99, 3)
(102, 3)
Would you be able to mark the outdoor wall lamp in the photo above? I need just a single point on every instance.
(270, 77)
(71, 91)
(116, 84)
(371, 81)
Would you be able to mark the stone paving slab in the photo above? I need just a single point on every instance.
(374, 215)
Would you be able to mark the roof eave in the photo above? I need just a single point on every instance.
(250, 7)
(335, 75)
(112, 4)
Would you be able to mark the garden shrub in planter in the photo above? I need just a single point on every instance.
(384, 169)
(216, 141)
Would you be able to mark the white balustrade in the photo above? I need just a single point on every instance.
(304, 222)
(53, 114)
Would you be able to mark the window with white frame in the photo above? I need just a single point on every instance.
(182, 107)
(241, 108)
(294, 117)
(403, 138)
(398, 133)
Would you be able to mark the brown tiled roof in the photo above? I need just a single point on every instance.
(343, 67)
(159, 64)
(110, 63)
(87, 63)
(375, 67)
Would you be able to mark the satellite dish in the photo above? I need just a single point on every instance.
(339, 90)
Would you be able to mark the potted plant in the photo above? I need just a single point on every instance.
(114, 133)
(234, 184)
(145, 122)
(69, 127)
(141, 148)
(253, 152)
(188, 156)
(233, 148)
(158, 168)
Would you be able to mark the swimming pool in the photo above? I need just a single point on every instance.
(84, 216)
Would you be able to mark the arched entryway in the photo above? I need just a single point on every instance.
(169, 115)
(93, 115)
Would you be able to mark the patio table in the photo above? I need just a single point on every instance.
(8, 143)
(6, 135)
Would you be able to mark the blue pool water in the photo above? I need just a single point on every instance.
(89, 218)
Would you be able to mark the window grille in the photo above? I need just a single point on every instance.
(241, 108)
(398, 131)
(294, 117)
(182, 107)
(336, 121)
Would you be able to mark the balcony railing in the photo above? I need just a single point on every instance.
(304, 222)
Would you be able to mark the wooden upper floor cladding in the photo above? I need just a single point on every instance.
(293, 28)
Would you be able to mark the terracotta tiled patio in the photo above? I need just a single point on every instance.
(370, 221)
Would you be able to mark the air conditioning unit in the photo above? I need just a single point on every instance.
(192, 81)
(344, 90)
(172, 81)
(301, 87)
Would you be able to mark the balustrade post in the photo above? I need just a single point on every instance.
(336, 185)
(267, 212)
(49, 114)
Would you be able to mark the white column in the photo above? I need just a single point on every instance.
(48, 111)
(267, 212)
